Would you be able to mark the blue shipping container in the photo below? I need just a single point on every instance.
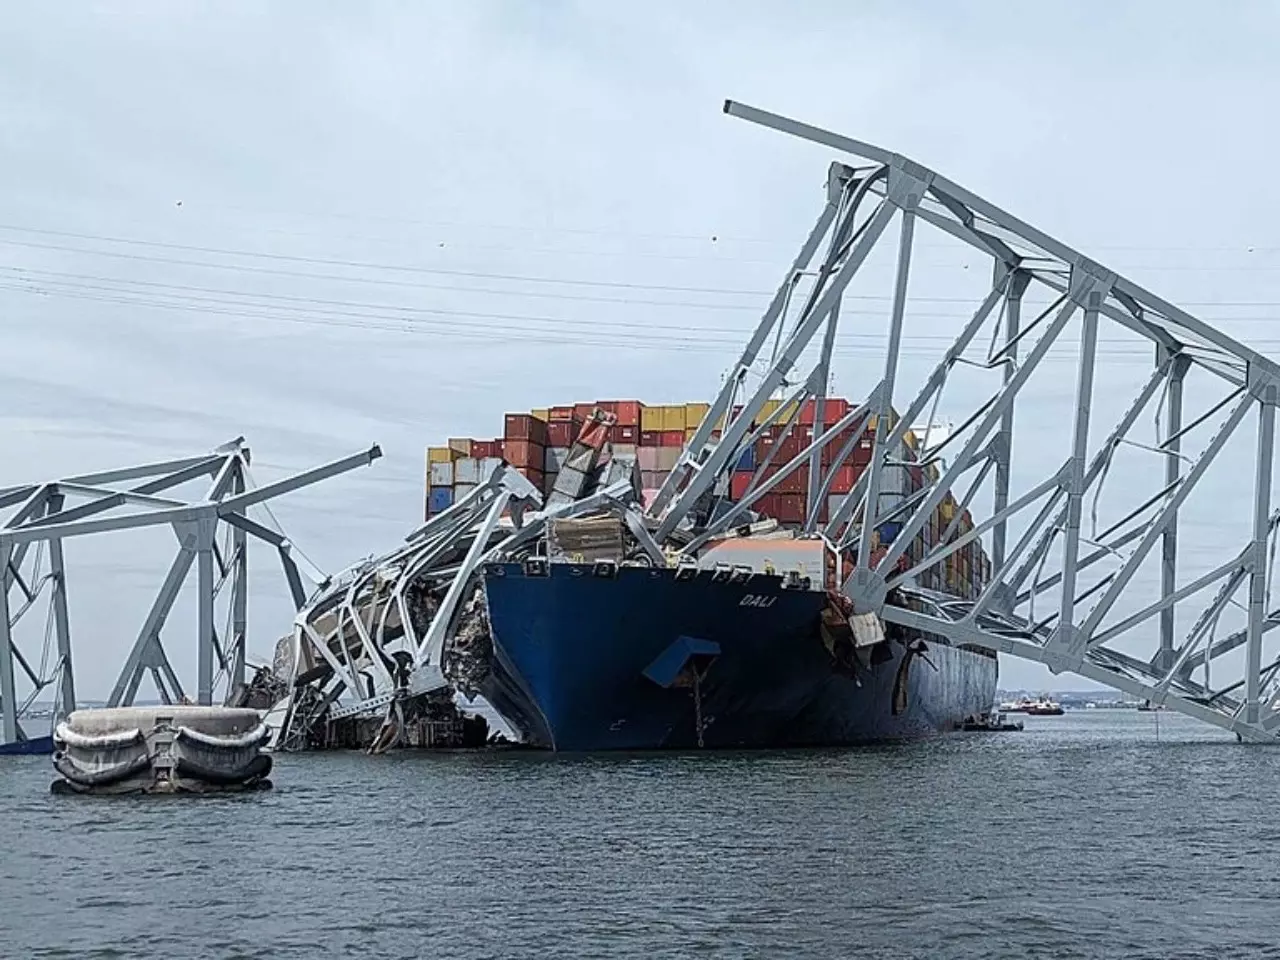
(747, 462)
(441, 499)
(889, 532)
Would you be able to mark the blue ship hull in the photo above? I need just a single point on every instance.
(584, 663)
(36, 745)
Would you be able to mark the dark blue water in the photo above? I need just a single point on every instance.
(1090, 835)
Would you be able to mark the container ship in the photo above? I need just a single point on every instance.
(586, 643)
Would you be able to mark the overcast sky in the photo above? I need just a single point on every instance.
(301, 222)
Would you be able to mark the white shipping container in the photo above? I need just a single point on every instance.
(894, 480)
(442, 474)
(466, 470)
(624, 449)
(461, 490)
(487, 467)
(648, 457)
(553, 461)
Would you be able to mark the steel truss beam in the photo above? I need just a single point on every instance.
(1049, 492)
(34, 568)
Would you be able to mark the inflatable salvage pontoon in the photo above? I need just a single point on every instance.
(163, 749)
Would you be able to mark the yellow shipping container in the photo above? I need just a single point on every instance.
(694, 413)
(651, 418)
(460, 445)
(439, 455)
(673, 417)
(541, 413)
(689, 432)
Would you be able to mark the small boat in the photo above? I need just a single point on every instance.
(1044, 707)
(994, 722)
(162, 749)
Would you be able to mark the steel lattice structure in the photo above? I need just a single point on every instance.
(1080, 576)
(213, 534)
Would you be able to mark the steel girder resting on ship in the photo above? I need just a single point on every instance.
(673, 627)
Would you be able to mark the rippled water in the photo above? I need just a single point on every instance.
(1095, 834)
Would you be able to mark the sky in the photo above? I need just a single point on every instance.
(323, 225)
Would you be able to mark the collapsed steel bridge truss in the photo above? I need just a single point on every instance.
(371, 638)
(1058, 586)
(213, 534)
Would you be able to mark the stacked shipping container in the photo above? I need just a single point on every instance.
(538, 443)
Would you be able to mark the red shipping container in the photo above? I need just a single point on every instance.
(767, 505)
(790, 508)
(562, 433)
(834, 409)
(627, 412)
(522, 453)
(525, 426)
(498, 448)
(672, 438)
(626, 433)
(651, 438)
(738, 485)
(481, 449)
(788, 449)
(560, 413)
(846, 476)
(583, 411)
(797, 481)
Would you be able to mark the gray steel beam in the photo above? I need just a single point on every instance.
(206, 529)
(1015, 288)
(1173, 467)
(239, 594)
(822, 375)
(166, 467)
(306, 478)
(176, 478)
(1089, 296)
(9, 731)
(61, 621)
(1258, 562)
(12, 495)
(913, 190)
(266, 534)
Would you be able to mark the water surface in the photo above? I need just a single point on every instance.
(1095, 834)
